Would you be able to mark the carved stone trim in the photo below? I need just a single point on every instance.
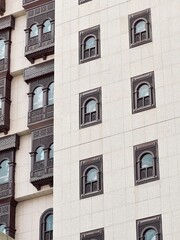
(38, 70)
(28, 4)
(7, 22)
(11, 141)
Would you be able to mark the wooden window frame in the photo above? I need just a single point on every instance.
(97, 234)
(42, 224)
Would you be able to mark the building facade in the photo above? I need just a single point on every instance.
(89, 127)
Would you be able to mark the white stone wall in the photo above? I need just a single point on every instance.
(122, 203)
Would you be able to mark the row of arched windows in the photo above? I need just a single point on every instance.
(34, 28)
(40, 153)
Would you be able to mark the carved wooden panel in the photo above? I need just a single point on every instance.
(2, 7)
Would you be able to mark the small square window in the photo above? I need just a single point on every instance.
(90, 107)
(97, 234)
(89, 44)
(143, 92)
(91, 176)
(149, 228)
(84, 1)
(140, 28)
(146, 162)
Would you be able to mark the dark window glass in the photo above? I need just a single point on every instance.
(51, 151)
(3, 228)
(150, 234)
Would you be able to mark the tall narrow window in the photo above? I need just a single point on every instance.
(90, 107)
(89, 40)
(149, 228)
(4, 171)
(91, 171)
(33, 31)
(38, 98)
(140, 28)
(143, 92)
(51, 94)
(2, 49)
(39, 154)
(47, 26)
(146, 162)
(97, 234)
(46, 223)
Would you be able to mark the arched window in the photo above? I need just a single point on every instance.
(90, 113)
(47, 26)
(33, 31)
(90, 103)
(3, 228)
(51, 151)
(51, 94)
(2, 49)
(140, 31)
(90, 47)
(150, 234)
(140, 28)
(38, 98)
(143, 95)
(147, 166)
(4, 171)
(91, 171)
(39, 154)
(46, 223)
(146, 162)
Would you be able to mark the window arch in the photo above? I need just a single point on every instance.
(38, 98)
(91, 176)
(3, 228)
(143, 95)
(89, 47)
(39, 154)
(2, 49)
(51, 94)
(4, 171)
(90, 110)
(140, 28)
(33, 31)
(51, 151)
(47, 26)
(46, 225)
(150, 234)
(147, 165)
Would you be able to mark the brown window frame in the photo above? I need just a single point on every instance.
(41, 171)
(84, 166)
(83, 1)
(84, 98)
(40, 75)
(97, 234)
(144, 224)
(136, 83)
(139, 151)
(42, 232)
(42, 45)
(2, 7)
(83, 36)
(134, 18)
